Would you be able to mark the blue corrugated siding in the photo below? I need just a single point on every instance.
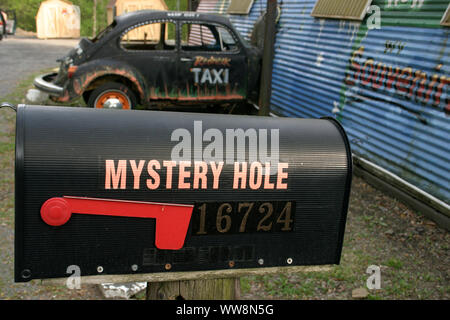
(244, 23)
(309, 57)
(402, 126)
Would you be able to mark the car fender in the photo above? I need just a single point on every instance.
(88, 73)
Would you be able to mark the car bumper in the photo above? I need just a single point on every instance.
(45, 84)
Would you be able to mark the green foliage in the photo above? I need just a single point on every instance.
(172, 4)
(26, 11)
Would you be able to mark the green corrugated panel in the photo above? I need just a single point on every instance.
(412, 13)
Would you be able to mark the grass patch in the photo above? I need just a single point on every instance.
(19, 93)
(412, 265)
(18, 96)
(394, 263)
(245, 285)
(7, 147)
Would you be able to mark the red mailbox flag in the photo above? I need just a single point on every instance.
(172, 220)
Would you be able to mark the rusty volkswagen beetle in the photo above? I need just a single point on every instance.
(150, 57)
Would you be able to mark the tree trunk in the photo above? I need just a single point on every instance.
(94, 17)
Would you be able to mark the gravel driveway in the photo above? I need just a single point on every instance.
(21, 56)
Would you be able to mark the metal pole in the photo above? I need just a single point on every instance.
(265, 90)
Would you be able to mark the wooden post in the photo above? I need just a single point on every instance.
(265, 90)
(215, 289)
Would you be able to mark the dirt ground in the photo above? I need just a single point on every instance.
(411, 251)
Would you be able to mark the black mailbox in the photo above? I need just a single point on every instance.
(122, 192)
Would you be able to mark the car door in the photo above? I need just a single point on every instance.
(151, 49)
(212, 63)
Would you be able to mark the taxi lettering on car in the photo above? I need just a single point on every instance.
(150, 57)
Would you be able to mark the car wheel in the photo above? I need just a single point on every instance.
(112, 95)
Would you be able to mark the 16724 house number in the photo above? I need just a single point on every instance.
(242, 217)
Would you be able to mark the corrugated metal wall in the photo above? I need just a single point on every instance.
(389, 86)
(244, 23)
(396, 107)
(198, 33)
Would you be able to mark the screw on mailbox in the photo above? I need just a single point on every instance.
(26, 273)
(172, 220)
